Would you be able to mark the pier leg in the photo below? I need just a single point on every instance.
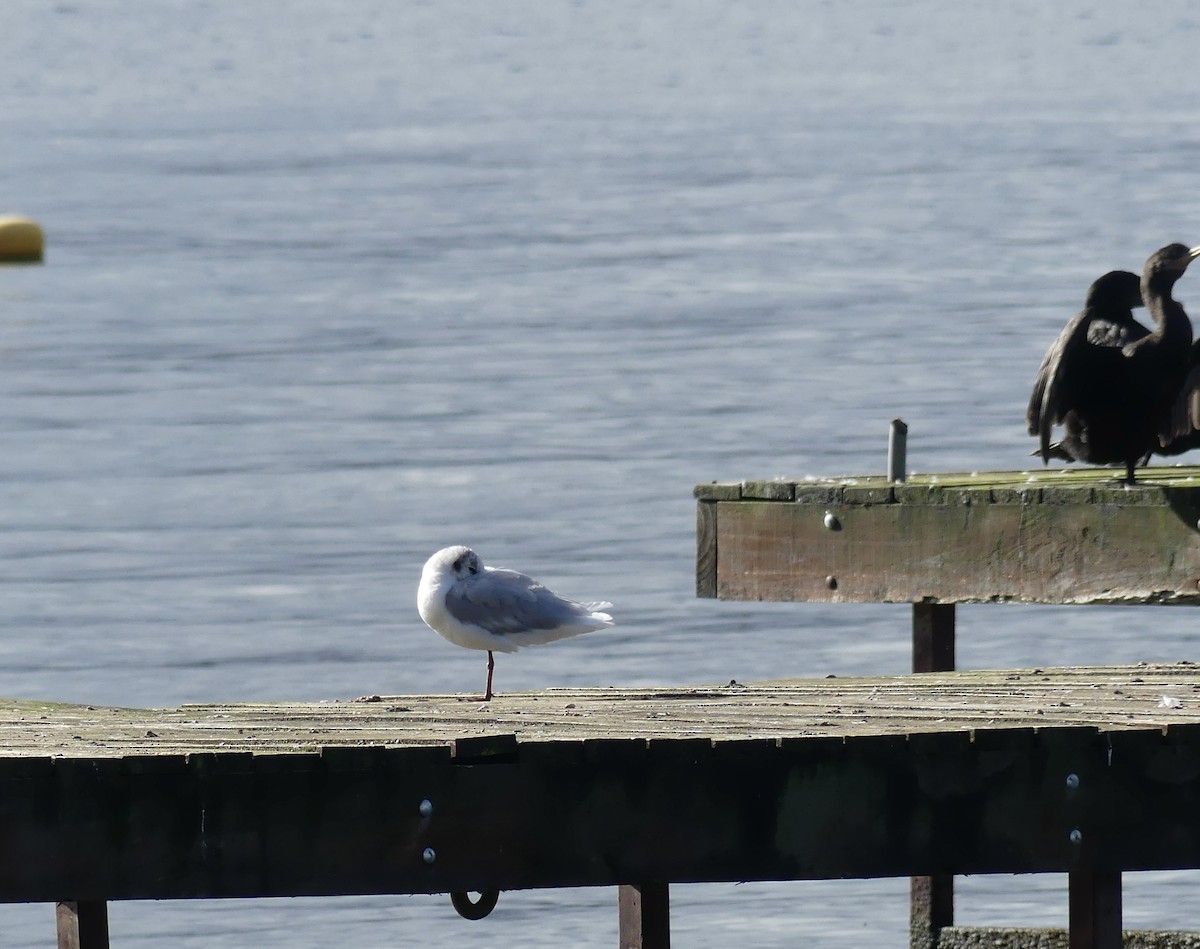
(931, 899)
(933, 637)
(645, 916)
(83, 925)
(1095, 915)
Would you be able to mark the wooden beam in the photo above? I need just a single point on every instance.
(1095, 909)
(1068, 540)
(601, 813)
(645, 916)
(82, 925)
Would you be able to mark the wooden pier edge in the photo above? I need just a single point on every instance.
(1059, 537)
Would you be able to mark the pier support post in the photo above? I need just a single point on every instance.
(933, 637)
(82, 925)
(1095, 909)
(645, 916)
(931, 908)
(931, 899)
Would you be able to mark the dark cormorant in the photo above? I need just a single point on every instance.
(1109, 381)
(1073, 369)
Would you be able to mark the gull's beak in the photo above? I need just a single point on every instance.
(1193, 254)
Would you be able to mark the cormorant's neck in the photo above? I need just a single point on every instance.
(1171, 321)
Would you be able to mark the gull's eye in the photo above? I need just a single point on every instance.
(473, 566)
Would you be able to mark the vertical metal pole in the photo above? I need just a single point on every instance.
(897, 450)
(1095, 914)
(931, 899)
(645, 916)
(82, 925)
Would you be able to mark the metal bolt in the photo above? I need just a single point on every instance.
(1077, 836)
(429, 856)
(426, 808)
(1072, 782)
(831, 522)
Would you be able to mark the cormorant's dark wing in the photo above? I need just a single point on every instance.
(1115, 334)
(1081, 356)
(1050, 400)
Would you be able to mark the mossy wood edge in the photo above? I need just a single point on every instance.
(1060, 536)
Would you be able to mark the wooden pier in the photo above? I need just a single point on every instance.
(1082, 770)
(1093, 771)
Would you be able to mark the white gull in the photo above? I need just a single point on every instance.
(498, 610)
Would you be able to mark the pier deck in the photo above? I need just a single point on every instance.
(1107, 698)
(1093, 769)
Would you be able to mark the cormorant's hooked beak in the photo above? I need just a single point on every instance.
(1183, 261)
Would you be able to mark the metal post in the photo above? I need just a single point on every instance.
(82, 925)
(1095, 914)
(897, 450)
(645, 916)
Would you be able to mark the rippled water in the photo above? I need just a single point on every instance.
(330, 286)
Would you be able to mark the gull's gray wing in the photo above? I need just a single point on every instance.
(505, 602)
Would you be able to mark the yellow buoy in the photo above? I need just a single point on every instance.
(21, 240)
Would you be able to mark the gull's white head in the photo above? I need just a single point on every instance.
(453, 563)
(450, 564)
(444, 569)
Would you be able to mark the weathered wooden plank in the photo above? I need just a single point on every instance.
(954, 545)
(706, 549)
(323, 735)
